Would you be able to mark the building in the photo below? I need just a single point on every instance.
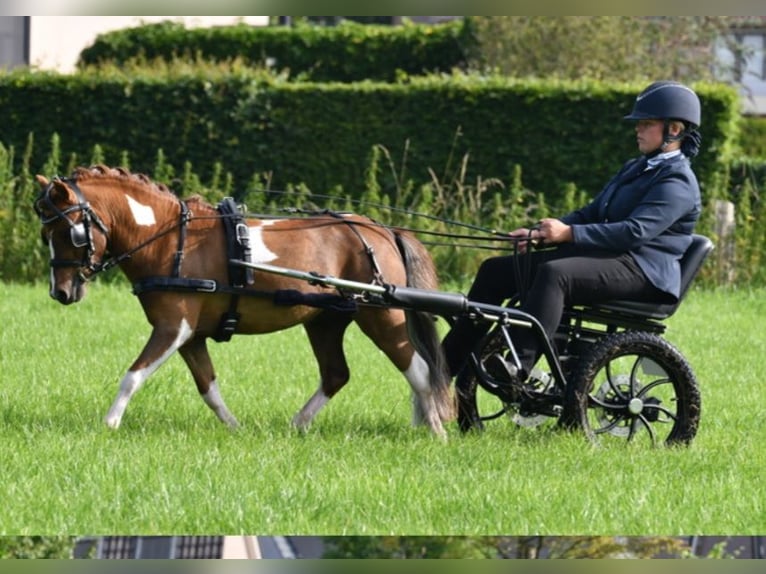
(749, 67)
(198, 547)
(55, 42)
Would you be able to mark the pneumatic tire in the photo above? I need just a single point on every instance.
(634, 386)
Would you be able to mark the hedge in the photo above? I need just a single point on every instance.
(321, 134)
(347, 52)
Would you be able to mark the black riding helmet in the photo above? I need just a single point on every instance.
(667, 100)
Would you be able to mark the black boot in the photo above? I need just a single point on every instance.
(508, 379)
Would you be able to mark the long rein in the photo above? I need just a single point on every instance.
(186, 216)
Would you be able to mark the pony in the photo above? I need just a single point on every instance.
(178, 256)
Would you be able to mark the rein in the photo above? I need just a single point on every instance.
(491, 236)
(82, 232)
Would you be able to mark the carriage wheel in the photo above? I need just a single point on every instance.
(467, 384)
(634, 386)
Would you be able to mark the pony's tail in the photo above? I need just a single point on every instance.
(421, 326)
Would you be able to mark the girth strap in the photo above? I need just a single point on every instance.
(237, 247)
(282, 297)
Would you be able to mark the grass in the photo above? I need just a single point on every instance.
(361, 469)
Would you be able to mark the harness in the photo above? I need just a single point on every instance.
(242, 278)
(238, 248)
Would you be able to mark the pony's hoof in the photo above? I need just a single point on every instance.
(113, 422)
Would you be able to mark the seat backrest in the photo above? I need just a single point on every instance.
(690, 262)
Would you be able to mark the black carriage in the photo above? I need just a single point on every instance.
(610, 372)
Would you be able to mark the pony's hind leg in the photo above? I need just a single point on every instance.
(197, 358)
(162, 343)
(424, 407)
(388, 330)
(325, 334)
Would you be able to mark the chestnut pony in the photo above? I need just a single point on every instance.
(174, 252)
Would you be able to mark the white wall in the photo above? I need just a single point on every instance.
(56, 41)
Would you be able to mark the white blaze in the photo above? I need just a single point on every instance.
(143, 214)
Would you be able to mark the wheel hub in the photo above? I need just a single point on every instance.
(635, 406)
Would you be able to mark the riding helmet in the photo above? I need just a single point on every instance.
(667, 100)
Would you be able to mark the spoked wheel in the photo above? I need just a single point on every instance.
(524, 412)
(635, 386)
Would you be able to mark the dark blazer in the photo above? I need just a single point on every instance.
(650, 214)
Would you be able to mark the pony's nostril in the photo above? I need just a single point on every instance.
(61, 296)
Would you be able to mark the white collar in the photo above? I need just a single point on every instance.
(660, 157)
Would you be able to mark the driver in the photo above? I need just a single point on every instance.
(625, 244)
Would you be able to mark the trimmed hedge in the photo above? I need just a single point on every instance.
(752, 137)
(348, 52)
(321, 134)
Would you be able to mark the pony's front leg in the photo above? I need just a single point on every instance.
(162, 343)
(197, 358)
(325, 334)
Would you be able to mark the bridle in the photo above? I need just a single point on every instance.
(80, 232)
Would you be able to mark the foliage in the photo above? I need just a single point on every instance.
(30, 547)
(752, 137)
(321, 134)
(524, 547)
(615, 48)
(405, 547)
(461, 218)
(349, 51)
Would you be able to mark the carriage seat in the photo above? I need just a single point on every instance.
(691, 262)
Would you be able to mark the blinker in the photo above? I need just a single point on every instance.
(79, 235)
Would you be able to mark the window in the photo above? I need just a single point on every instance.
(14, 41)
(150, 547)
(750, 63)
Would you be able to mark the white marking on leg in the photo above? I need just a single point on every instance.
(423, 406)
(53, 275)
(133, 380)
(260, 253)
(213, 399)
(303, 418)
(143, 214)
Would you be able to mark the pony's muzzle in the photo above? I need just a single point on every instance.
(70, 293)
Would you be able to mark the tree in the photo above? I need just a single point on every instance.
(525, 547)
(36, 547)
(531, 547)
(406, 547)
(615, 48)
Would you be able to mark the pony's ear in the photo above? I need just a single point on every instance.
(42, 180)
(60, 191)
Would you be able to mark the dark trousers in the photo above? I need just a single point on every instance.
(558, 278)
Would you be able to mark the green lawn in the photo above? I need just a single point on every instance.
(361, 469)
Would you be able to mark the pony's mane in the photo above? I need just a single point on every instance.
(102, 171)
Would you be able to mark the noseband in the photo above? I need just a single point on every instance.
(80, 233)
